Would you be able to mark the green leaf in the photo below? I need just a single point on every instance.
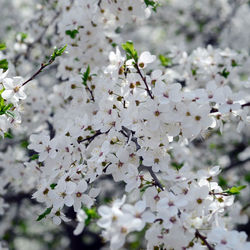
(4, 64)
(145, 187)
(224, 73)
(165, 61)
(235, 190)
(71, 33)
(23, 36)
(2, 46)
(222, 182)
(34, 157)
(234, 63)
(91, 213)
(131, 53)
(58, 52)
(53, 185)
(247, 177)
(177, 166)
(44, 214)
(24, 144)
(153, 4)
(194, 72)
(8, 135)
(85, 76)
(10, 114)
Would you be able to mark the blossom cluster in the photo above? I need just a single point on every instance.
(134, 119)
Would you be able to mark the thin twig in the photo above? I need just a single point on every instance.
(91, 138)
(245, 105)
(91, 93)
(127, 133)
(153, 175)
(43, 65)
(204, 239)
(144, 80)
(235, 164)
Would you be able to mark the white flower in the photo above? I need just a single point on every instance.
(58, 216)
(145, 59)
(13, 89)
(42, 144)
(81, 217)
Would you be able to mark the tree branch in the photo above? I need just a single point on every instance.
(235, 164)
(127, 133)
(144, 80)
(204, 239)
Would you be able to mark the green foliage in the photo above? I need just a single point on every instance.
(131, 53)
(177, 166)
(34, 157)
(23, 36)
(85, 76)
(4, 108)
(235, 190)
(153, 4)
(8, 135)
(165, 61)
(247, 177)
(58, 52)
(224, 73)
(2, 46)
(24, 144)
(234, 63)
(194, 72)
(4, 64)
(44, 214)
(222, 182)
(71, 33)
(91, 213)
(146, 186)
(53, 185)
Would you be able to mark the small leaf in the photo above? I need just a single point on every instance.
(235, 190)
(224, 73)
(165, 61)
(85, 76)
(8, 135)
(4, 64)
(53, 185)
(72, 33)
(151, 3)
(2, 46)
(24, 144)
(91, 213)
(234, 63)
(34, 157)
(58, 52)
(131, 53)
(222, 182)
(194, 72)
(247, 177)
(23, 36)
(177, 166)
(44, 214)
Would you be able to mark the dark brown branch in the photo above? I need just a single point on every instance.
(245, 105)
(43, 66)
(214, 110)
(235, 164)
(91, 138)
(127, 133)
(153, 175)
(91, 93)
(144, 80)
(204, 239)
